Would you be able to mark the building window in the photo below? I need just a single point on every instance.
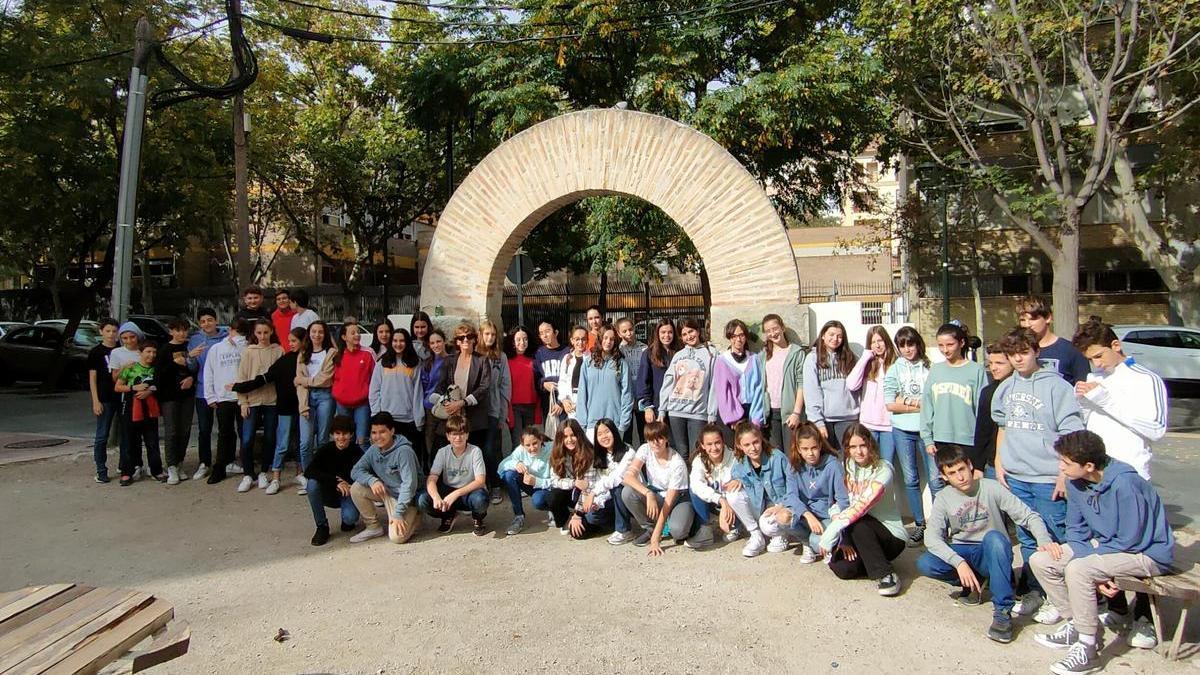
(1014, 284)
(1145, 280)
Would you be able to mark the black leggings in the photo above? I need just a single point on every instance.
(877, 547)
(562, 504)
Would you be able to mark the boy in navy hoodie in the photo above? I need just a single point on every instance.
(1116, 526)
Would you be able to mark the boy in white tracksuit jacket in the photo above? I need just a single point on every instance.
(221, 369)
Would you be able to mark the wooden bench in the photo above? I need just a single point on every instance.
(73, 628)
(1184, 586)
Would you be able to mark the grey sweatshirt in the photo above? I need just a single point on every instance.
(965, 518)
(396, 467)
(826, 396)
(1033, 412)
(397, 390)
(687, 384)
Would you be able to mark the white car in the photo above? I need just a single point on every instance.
(1173, 352)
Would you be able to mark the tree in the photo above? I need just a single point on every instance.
(1072, 84)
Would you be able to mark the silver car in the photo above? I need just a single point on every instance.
(1173, 352)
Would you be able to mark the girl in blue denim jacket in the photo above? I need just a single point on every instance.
(759, 482)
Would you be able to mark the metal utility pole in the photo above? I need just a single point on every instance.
(241, 201)
(945, 255)
(131, 150)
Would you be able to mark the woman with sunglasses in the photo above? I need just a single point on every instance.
(472, 374)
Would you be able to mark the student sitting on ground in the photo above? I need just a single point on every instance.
(659, 501)
(610, 483)
(574, 468)
(457, 481)
(1116, 526)
(967, 540)
(329, 479)
(388, 472)
(527, 470)
(140, 412)
(759, 482)
(712, 470)
(815, 492)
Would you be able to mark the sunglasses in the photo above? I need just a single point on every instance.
(463, 338)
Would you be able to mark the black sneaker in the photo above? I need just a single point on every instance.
(889, 585)
(643, 539)
(126, 481)
(217, 475)
(1001, 629)
(478, 527)
(321, 536)
(348, 527)
(964, 598)
(917, 538)
(447, 523)
(102, 478)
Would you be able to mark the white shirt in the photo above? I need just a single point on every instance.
(304, 319)
(706, 485)
(565, 391)
(315, 361)
(1129, 411)
(672, 475)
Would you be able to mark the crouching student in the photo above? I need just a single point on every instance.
(660, 503)
(758, 482)
(610, 478)
(328, 479)
(457, 480)
(1116, 526)
(864, 538)
(967, 540)
(712, 470)
(527, 470)
(573, 472)
(388, 472)
(815, 491)
(140, 411)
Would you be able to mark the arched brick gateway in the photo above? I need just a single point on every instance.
(685, 173)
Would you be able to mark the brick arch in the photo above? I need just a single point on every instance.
(695, 181)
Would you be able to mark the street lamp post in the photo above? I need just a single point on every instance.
(945, 256)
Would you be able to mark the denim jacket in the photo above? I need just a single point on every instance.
(771, 482)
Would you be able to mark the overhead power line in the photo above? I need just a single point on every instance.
(121, 52)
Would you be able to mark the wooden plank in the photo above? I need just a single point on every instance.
(12, 596)
(69, 595)
(31, 600)
(68, 638)
(107, 646)
(170, 644)
(51, 627)
(1180, 586)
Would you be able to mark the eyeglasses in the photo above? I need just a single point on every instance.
(742, 335)
(463, 338)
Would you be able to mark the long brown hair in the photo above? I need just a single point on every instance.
(889, 354)
(858, 429)
(742, 429)
(581, 460)
(598, 355)
(909, 335)
(660, 356)
(490, 353)
(698, 451)
(768, 346)
(844, 356)
(807, 431)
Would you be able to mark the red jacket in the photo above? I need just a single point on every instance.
(283, 326)
(352, 377)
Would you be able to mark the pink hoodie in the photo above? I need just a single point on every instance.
(873, 412)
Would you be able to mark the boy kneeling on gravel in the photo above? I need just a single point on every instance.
(388, 472)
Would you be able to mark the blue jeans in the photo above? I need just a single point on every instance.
(800, 528)
(264, 414)
(907, 450)
(621, 514)
(283, 438)
(315, 430)
(204, 420)
(362, 422)
(514, 486)
(476, 502)
(317, 503)
(1054, 513)
(104, 422)
(992, 559)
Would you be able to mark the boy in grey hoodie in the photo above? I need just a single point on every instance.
(1033, 408)
(388, 471)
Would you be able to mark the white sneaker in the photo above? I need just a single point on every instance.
(496, 496)
(756, 545)
(618, 538)
(808, 556)
(201, 472)
(1027, 604)
(146, 472)
(1141, 635)
(733, 535)
(172, 475)
(137, 473)
(1048, 615)
(778, 544)
(183, 475)
(273, 487)
(303, 489)
(301, 481)
(246, 484)
(233, 467)
(367, 535)
(263, 481)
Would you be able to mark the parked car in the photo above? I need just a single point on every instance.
(1173, 352)
(62, 323)
(28, 353)
(155, 326)
(367, 340)
(6, 326)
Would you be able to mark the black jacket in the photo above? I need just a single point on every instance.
(329, 464)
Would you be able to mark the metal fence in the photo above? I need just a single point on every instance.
(565, 304)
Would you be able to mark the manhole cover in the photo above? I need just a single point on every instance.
(37, 443)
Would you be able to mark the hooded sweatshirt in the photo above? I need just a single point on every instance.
(221, 368)
(352, 377)
(1129, 411)
(202, 339)
(537, 465)
(950, 403)
(687, 385)
(1033, 412)
(866, 487)
(398, 391)
(905, 379)
(257, 360)
(605, 391)
(328, 464)
(120, 357)
(1120, 514)
(826, 396)
(633, 358)
(708, 485)
(396, 467)
(820, 489)
(873, 412)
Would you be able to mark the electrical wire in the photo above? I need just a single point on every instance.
(122, 52)
(244, 74)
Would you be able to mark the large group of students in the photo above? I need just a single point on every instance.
(792, 446)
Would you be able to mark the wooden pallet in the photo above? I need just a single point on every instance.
(73, 628)
(1184, 586)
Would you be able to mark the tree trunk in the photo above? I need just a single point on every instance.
(1065, 266)
(147, 293)
(978, 298)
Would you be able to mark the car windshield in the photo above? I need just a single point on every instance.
(87, 336)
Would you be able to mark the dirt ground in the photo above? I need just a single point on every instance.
(239, 567)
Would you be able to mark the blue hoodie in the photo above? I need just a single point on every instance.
(605, 391)
(197, 364)
(1033, 412)
(771, 482)
(819, 489)
(1122, 513)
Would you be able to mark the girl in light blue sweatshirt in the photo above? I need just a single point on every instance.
(605, 385)
(527, 470)
(903, 387)
(829, 402)
(815, 492)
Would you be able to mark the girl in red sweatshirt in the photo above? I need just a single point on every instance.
(352, 368)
